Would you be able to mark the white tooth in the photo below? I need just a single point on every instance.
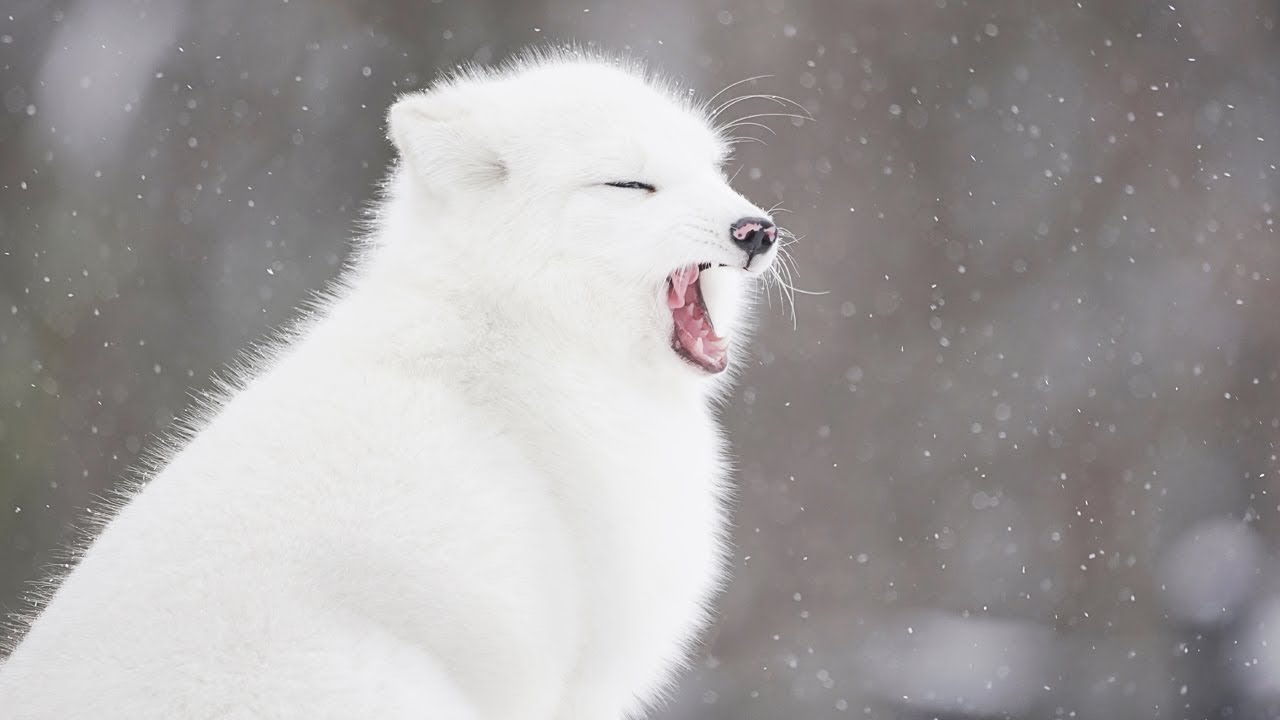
(697, 348)
(722, 294)
(675, 300)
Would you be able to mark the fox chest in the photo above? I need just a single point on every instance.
(646, 500)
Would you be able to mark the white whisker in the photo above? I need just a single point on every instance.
(750, 124)
(740, 121)
(731, 86)
(777, 99)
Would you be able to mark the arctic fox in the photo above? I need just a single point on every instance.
(484, 479)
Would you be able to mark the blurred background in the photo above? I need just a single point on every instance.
(1018, 461)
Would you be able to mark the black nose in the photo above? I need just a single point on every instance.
(753, 234)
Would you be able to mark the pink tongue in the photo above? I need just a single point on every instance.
(693, 329)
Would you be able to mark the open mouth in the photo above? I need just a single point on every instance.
(694, 338)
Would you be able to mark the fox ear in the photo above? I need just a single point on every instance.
(440, 143)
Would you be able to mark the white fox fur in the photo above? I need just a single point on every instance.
(478, 483)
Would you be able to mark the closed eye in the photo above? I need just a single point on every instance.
(633, 185)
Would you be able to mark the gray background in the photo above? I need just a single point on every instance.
(1018, 461)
